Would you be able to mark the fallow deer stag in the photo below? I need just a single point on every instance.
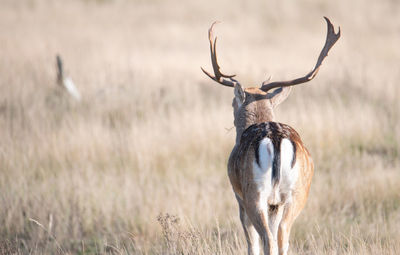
(269, 167)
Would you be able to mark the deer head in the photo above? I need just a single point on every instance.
(256, 104)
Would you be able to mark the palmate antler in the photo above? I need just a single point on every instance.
(331, 39)
(226, 80)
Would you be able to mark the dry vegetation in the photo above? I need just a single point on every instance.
(139, 166)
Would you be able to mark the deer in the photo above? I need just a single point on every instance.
(269, 168)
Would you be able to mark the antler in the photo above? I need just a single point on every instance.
(331, 39)
(219, 77)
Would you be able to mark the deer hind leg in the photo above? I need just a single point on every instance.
(266, 223)
(275, 213)
(252, 237)
(283, 239)
(284, 230)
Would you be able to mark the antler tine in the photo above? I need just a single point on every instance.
(331, 39)
(219, 77)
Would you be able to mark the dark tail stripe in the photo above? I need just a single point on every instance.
(276, 166)
(276, 162)
(294, 153)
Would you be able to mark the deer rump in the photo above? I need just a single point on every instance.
(273, 164)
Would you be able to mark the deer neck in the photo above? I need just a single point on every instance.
(252, 114)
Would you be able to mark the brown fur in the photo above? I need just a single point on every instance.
(257, 107)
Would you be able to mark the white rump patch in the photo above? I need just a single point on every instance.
(262, 173)
(286, 154)
(266, 153)
(289, 175)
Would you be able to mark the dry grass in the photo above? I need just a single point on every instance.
(139, 166)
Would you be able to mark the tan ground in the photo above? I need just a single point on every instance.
(139, 166)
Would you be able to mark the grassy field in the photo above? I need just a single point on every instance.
(138, 166)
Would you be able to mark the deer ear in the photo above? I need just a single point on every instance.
(240, 96)
(279, 95)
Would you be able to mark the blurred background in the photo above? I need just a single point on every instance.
(138, 164)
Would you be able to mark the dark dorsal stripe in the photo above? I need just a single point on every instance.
(254, 134)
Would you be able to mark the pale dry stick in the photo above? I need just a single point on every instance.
(219, 238)
(66, 82)
(269, 168)
(48, 233)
